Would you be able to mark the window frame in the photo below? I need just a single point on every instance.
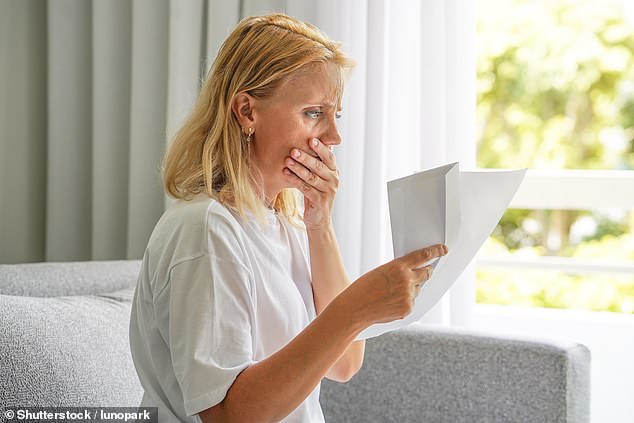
(571, 190)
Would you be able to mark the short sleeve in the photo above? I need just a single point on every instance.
(210, 322)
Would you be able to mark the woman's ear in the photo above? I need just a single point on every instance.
(242, 107)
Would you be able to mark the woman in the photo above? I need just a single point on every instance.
(243, 304)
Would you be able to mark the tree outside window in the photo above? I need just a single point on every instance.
(555, 90)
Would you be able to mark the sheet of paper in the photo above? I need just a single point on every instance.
(438, 210)
(444, 205)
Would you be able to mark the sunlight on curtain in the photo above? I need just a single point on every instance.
(410, 105)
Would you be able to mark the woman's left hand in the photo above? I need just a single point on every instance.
(317, 179)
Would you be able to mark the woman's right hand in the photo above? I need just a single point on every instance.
(388, 292)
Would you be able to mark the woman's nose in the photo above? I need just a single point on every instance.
(331, 135)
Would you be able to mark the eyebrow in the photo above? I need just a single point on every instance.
(326, 104)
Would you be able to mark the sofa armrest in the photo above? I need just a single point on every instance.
(438, 374)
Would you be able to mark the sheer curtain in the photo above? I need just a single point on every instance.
(410, 105)
(93, 89)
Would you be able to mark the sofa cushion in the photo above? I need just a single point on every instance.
(68, 278)
(67, 351)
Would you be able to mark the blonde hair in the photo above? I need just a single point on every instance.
(208, 152)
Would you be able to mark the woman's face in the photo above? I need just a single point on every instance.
(302, 108)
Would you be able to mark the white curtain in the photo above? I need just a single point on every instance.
(410, 105)
(93, 89)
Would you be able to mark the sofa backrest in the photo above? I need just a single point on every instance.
(427, 373)
(55, 279)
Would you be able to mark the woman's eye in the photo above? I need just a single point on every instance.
(314, 114)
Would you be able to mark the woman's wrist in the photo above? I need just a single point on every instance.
(347, 309)
(325, 232)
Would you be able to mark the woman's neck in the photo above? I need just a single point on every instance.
(269, 193)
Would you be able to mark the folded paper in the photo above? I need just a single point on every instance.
(444, 206)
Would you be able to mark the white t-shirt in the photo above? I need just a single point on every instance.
(216, 294)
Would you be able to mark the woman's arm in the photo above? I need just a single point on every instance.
(318, 180)
(270, 389)
(329, 280)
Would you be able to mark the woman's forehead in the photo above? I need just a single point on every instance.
(318, 84)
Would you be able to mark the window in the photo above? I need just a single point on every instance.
(555, 90)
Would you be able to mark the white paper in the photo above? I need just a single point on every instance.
(444, 206)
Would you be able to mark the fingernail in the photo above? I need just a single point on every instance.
(291, 162)
(287, 172)
(296, 154)
(315, 142)
(445, 249)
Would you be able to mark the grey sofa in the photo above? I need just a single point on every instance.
(64, 342)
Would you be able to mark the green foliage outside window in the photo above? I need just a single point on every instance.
(555, 89)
